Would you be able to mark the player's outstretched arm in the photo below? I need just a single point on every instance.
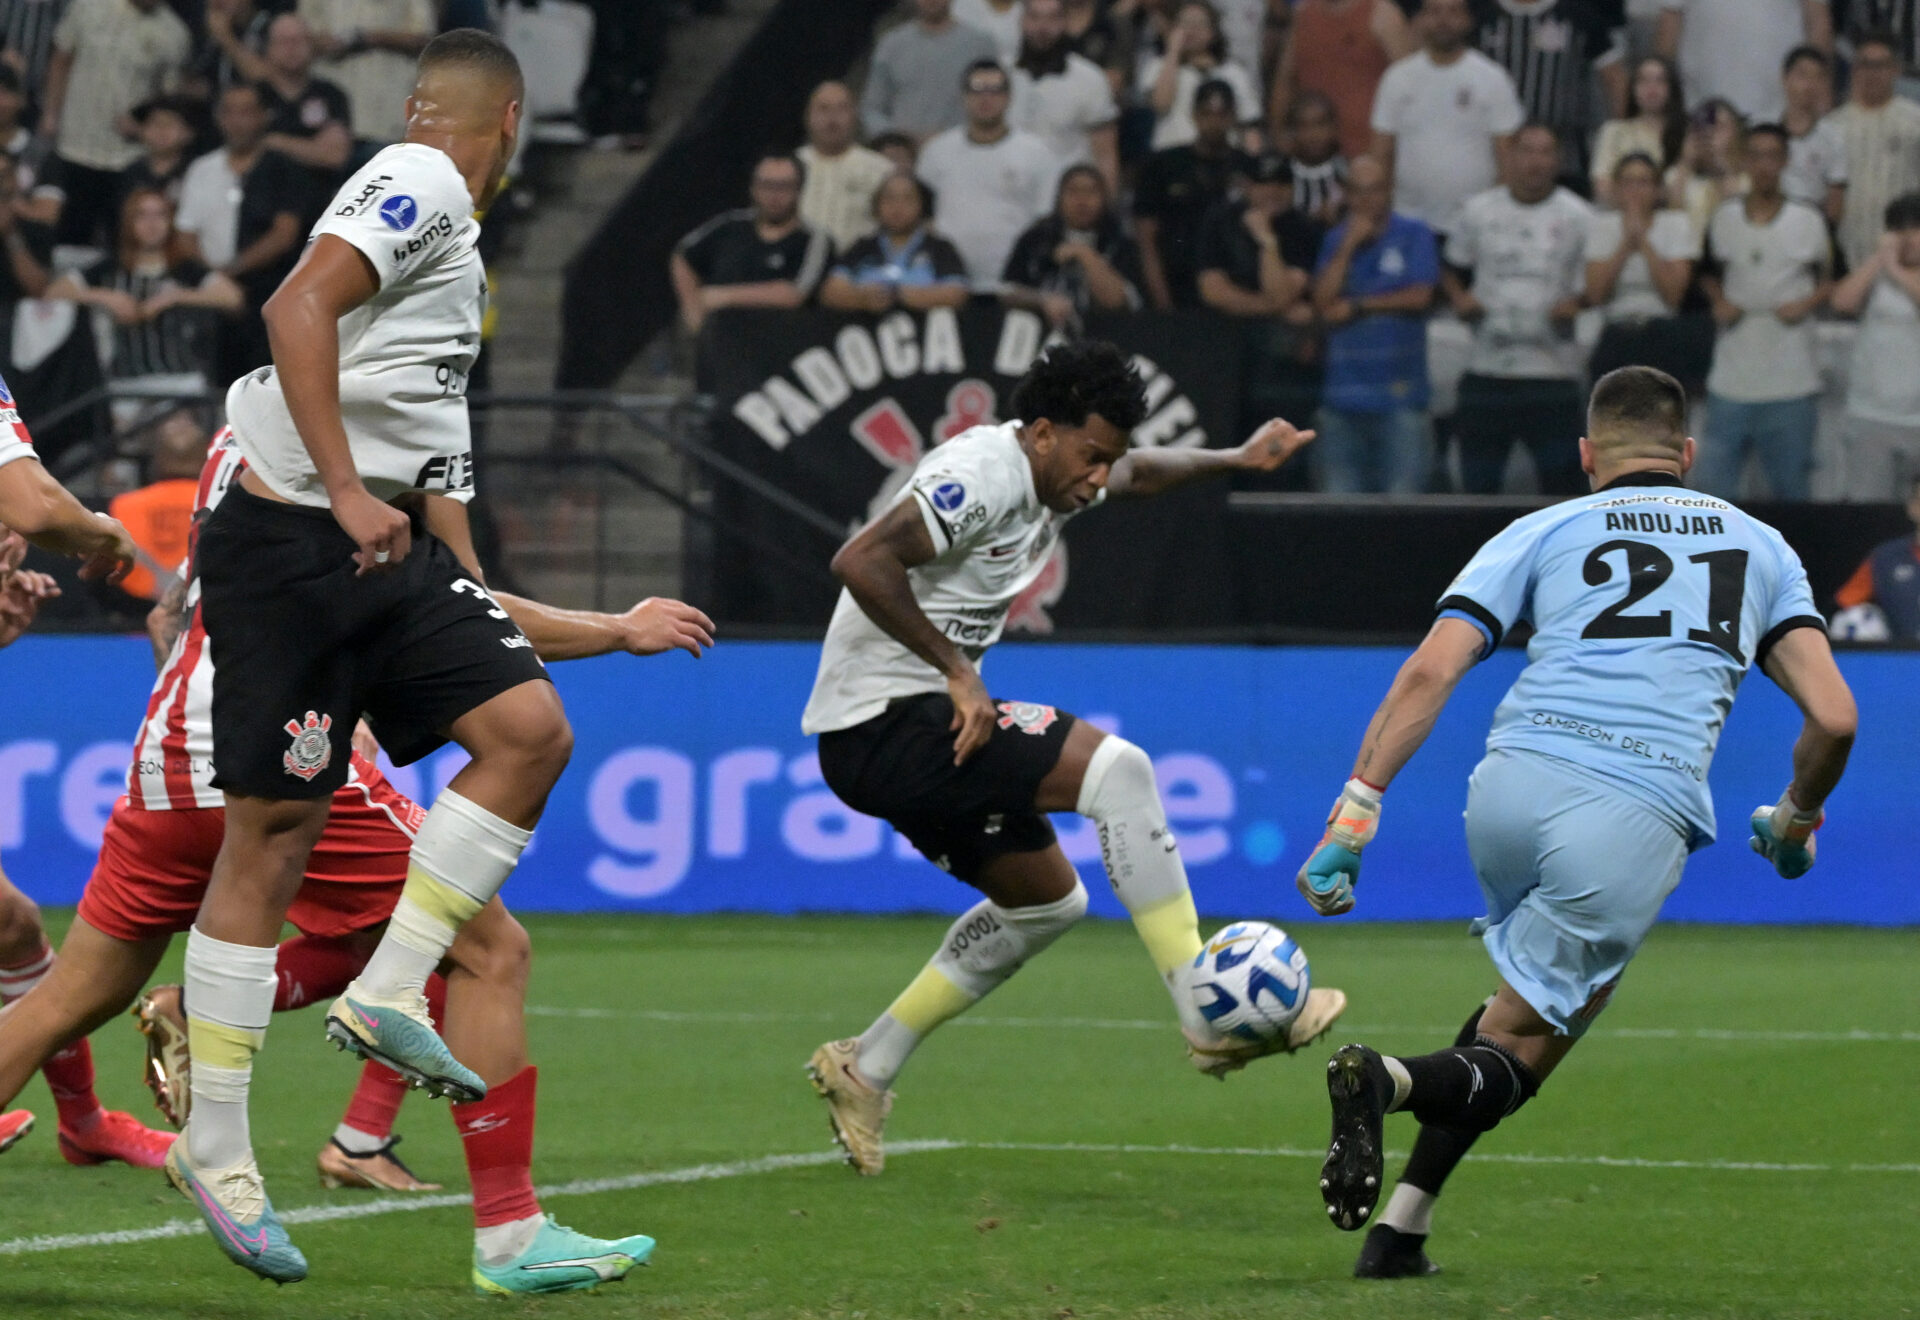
(303, 326)
(33, 504)
(652, 626)
(1802, 664)
(1405, 717)
(1143, 472)
(873, 568)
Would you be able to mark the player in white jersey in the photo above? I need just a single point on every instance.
(338, 578)
(37, 509)
(156, 857)
(909, 733)
(1648, 604)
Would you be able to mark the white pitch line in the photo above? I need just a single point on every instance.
(1853, 1036)
(391, 1205)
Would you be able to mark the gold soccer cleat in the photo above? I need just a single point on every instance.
(380, 1170)
(169, 1069)
(856, 1108)
(1218, 1056)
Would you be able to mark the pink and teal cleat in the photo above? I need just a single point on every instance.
(233, 1202)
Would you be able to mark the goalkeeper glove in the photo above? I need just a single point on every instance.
(1327, 879)
(1783, 834)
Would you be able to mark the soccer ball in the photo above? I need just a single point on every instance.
(1860, 623)
(1250, 981)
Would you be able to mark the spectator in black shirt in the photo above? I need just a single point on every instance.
(904, 263)
(1077, 260)
(38, 195)
(166, 135)
(1095, 33)
(1255, 251)
(1177, 188)
(163, 302)
(761, 256)
(236, 34)
(309, 119)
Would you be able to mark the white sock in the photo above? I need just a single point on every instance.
(461, 857)
(1409, 1210)
(16, 981)
(499, 1243)
(1118, 793)
(1402, 1082)
(980, 951)
(355, 1142)
(231, 989)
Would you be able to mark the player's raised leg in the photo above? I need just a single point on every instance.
(469, 844)
(1033, 897)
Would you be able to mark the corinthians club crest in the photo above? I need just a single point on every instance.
(312, 749)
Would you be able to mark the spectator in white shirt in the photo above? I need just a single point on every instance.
(1640, 260)
(1883, 384)
(999, 19)
(1443, 118)
(368, 49)
(1882, 133)
(1062, 97)
(1816, 148)
(1195, 53)
(989, 179)
(1733, 48)
(841, 174)
(1523, 247)
(1769, 258)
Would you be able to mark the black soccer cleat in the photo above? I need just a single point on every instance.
(1391, 1254)
(1358, 1085)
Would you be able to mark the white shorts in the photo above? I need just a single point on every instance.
(1574, 872)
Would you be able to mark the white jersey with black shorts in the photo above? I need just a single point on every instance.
(301, 645)
(883, 713)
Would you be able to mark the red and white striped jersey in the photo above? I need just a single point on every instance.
(173, 756)
(15, 442)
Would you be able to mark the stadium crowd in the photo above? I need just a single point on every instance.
(1431, 221)
(161, 163)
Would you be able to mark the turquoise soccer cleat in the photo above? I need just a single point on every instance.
(401, 1036)
(561, 1260)
(234, 1204)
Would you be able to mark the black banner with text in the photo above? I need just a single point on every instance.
(835, 411)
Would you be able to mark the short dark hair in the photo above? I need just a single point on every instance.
(1215, 89)
(1639, 398)
(479, 51)
(1312, 101)
(1771, 130)
(1813, 53)
(1539, 126)
(979, 66)
(1881, 37)
(1903, 212)
(1071, 382)
(1636, 158)
(919, 186)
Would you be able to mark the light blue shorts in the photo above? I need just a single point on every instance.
(1574, 872)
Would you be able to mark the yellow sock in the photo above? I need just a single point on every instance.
(930, 1000)
(1171, 931)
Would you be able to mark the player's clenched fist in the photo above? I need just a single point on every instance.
(112, 558)
(383, 533)
(1328, 878)
(658, 624)
(1783, 834)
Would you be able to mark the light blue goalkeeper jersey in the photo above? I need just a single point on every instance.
(1648, 603)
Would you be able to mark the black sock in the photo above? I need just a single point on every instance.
(1471, 1087)
(1437, 1151)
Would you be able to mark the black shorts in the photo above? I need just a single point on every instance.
(899, 766)
(302, 648)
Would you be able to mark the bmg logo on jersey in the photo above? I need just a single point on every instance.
(437, 228)
(399, 211)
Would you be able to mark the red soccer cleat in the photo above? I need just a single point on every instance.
(14, 1125)
(115, 1136)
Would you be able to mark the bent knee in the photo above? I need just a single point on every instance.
(494, 947)
(1119, 776)
(21, 934)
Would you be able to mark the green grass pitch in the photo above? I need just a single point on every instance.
(1070, 1163)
